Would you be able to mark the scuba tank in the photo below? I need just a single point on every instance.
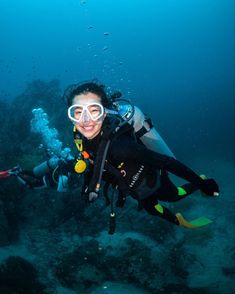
(143, 126)
(148, 135)
(62, 183)
(46, 166)
(51, 169)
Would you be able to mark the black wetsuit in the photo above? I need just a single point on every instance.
(144, 173)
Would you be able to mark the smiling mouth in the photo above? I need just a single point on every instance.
(88, 128)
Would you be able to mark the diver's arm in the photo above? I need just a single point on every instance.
(174, 166)
(136, 152)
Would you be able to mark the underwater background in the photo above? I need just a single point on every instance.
(172, 58)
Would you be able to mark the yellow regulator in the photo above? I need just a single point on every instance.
(80, 166)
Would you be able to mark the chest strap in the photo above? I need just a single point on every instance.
(142, 131)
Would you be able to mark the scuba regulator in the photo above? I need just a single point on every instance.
(121, 107)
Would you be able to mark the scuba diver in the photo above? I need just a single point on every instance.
(58, 170)
(118, 145)
(108, 142)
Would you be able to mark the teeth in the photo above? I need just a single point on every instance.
(88, 128)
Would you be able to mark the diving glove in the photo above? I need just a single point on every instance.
(92, 196)
(89, 196)
(209, 187)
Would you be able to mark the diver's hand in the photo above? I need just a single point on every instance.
(92, 196)
(89, 196)
(209, 187)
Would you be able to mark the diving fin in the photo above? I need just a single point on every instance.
(9, 172)
(194, 224)
(5, 174)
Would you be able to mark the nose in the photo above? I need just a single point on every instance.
(85, 117)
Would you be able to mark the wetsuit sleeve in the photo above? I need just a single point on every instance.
(131, 151)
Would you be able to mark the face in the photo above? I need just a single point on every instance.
(88, 114)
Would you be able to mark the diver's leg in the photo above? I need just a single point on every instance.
(152, 206)
(27, 177)
(169, 192)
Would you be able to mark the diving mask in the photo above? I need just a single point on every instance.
(80, 113)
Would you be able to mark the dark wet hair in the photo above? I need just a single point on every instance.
(84, 88)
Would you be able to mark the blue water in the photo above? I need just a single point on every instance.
(173, 58)
(177, 56)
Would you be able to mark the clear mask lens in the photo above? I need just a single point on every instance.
(80, 113)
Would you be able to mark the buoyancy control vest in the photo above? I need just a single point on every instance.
(133, 121)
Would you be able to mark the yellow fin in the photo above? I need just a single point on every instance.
(194, 224)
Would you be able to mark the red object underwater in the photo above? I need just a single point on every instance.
(5, 174)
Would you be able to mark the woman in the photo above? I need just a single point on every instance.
(128, 165)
